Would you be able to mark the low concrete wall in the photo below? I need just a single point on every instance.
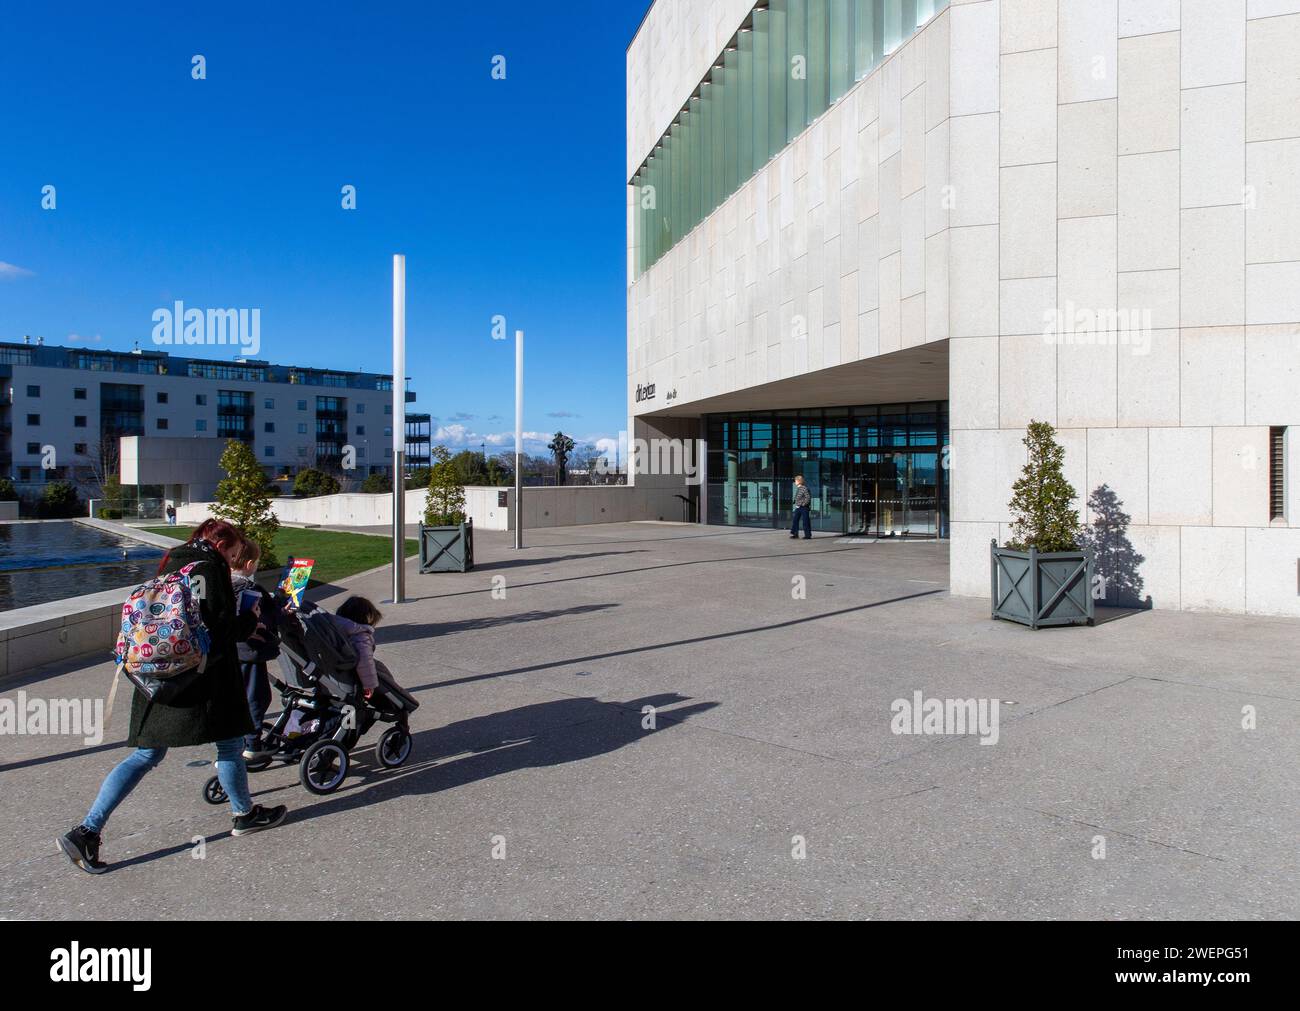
(46, 633)
(59, 630)
(570, 505)
(8, 510)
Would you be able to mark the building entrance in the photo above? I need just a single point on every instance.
(875, 471)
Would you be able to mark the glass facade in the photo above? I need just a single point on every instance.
(789, 63)
(876, 471)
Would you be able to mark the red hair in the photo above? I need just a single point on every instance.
(220, 534)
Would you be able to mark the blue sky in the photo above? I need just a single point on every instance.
(507, 196)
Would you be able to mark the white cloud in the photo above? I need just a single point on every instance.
(10, 272)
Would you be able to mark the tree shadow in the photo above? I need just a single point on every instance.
(513, 563)
(405, 633)
(1116, 561)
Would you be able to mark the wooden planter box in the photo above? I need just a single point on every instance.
(447, 549)
(1041, 588)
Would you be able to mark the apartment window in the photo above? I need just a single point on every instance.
(33, 419)
(302, 405)
(33, 391)
(268, 426)
(268, 452)
(162, 397)
(388, 433)
(33, 449)
(79, 448)
(161, 424)
(200, 400)
(201, 425)
(361, 430)
(388, 408)
(361, 408)
(361, 452)
(302, 428)
(79, 393)
(269, 404)
(1276, 473)
(79, 421)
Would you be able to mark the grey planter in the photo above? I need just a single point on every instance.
(1041, 588)
(447, 549)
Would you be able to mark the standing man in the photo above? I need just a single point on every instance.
(802, 500)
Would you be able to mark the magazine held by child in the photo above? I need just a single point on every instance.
(296, 575)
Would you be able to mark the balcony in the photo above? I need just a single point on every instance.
(339, 414)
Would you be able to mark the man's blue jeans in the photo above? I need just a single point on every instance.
(126, 776)
(802, 514)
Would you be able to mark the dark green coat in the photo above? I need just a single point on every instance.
(216, 707)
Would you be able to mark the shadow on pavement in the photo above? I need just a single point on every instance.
(677, 642)
(516, 562)
(536, 736)
(405, 633)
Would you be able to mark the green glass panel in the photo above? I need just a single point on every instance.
(707, 128)
(818, 60)
(731, 180)
(893, 22)
(720, 117)
(697, 139)
(778, 17)
(840, 36)
(761, 76)
(797, 62)
(864, 20)
(745, 87)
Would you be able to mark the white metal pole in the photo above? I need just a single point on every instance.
(399, 427)
(519, 438)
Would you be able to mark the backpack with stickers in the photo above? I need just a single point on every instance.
(163, 646)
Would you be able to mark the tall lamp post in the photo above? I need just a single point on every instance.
(519, 438)
(399, 428)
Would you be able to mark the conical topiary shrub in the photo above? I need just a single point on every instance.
(1041, 501)
(1042, 577)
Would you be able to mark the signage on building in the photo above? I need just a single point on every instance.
(646, 392)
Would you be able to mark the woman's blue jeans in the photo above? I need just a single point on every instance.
(126, 776)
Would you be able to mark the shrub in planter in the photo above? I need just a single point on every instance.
(110, 514)
(8, 493)
(446, 537)
(377, 484)
(1042, 577)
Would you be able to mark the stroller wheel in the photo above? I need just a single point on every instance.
(394, 747)
(214, 792)
(324, 766)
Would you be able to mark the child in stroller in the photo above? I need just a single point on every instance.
(331, 697)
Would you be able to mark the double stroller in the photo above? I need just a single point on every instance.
(325, 712)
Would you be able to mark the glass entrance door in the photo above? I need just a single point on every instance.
(893, 495)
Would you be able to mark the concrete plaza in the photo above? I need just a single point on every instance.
(772, 741)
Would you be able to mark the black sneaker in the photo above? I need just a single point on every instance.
(82, 847)
(259, 818)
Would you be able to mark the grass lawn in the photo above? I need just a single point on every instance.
(337, 554)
